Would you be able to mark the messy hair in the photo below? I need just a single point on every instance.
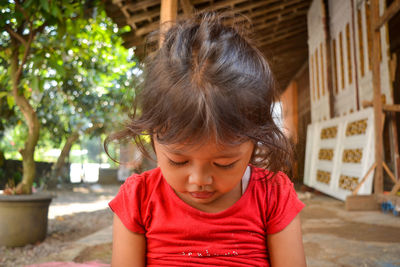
(208, 80)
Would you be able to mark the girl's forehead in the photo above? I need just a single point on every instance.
(206, 146)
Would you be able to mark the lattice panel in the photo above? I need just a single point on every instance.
(363, 47)
(329, 132)
(339, 153)
(318, 61)
(356, 127)
(352, 155)
(323, 177)
(348, 183)
(325, 154)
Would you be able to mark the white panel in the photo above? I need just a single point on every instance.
(365, 76)
(341, 30)
(310, 146)
(316, 21)
(342, 151)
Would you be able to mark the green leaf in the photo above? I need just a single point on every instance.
(35, 83)
(3, 94)
(27, 4)
(10, 101)
(45, 5)
(55, 11)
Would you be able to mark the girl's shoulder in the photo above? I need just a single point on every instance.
(144, 181)
(270, 178)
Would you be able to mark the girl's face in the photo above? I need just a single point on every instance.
(206, 176)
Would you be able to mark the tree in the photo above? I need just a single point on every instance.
(95, 84)
(43, 49)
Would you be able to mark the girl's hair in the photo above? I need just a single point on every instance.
(208, 80)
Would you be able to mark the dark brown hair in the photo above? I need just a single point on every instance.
(209, 80)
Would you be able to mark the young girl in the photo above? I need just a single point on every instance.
(207, 104)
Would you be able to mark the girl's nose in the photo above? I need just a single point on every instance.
(200, 179)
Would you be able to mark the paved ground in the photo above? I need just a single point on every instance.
(332, 237)
(335, 237)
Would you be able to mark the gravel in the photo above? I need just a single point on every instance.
(63, 229)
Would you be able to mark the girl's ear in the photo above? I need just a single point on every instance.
(254, 151)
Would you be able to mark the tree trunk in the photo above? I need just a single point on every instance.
(28, 163)
(57, 167)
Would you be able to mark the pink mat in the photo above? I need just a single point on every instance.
(70, 264)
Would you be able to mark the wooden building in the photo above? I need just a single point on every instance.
(335, 63)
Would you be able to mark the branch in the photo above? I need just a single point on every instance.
(15, 35)
(39, 29)
(26, 52)
(17, 3)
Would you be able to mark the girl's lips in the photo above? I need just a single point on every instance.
(202, 194)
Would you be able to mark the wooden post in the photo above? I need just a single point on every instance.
(168, 14)
(388, 14)
(378, 182)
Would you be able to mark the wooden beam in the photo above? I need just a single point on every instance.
(361, 203)
(293, 28)
(388, 14)
(271, 40)
(293, 17)
(378, 181)
(142, 5)
(389, 172)
(261, 16)
(269, 12)
(225, 4)
(355, 191)
(147, 29)
(394, 108)
(187, 7)
(145, 16)
(169, 12)
(395, 188)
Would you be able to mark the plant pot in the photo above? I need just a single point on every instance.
(23, 219)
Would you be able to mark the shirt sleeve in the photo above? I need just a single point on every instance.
(127, 204)
(282, 204)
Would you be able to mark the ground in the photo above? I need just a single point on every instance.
(75, 213)
(333, 236)
(80, 231)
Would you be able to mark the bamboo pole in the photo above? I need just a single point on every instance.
(378, 182)
(168, 14)
(355, 191)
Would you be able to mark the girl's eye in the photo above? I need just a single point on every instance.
(227, 166)
(175, 163)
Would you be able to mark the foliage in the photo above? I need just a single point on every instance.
(94, 85)
(71, 69)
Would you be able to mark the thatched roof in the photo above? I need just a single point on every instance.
(280, 26)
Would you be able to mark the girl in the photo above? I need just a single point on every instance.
(207, 103)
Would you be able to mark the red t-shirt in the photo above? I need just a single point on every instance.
(180, 235)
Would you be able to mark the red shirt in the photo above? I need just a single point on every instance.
(180, 235)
